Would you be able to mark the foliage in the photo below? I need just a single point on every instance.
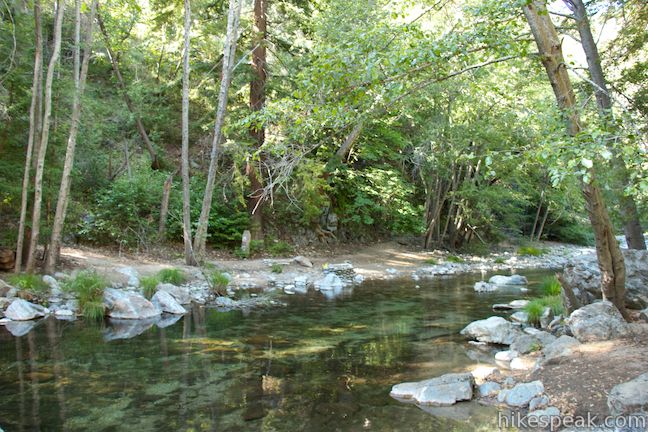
(454, 259)
(535, 308)
(278, 247)
(172, 275)
(530, 251)
(149, 285)
(550, 286)
(217, 281)
(499, 260)
(276, 268)
(28, 282)
(431, 261)
(89, 288)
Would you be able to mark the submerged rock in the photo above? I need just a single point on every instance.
(127, 328)
(22, 310)
(597, 322)
(165, 302)
(128, 305)
(629, 397)
(445, 390)
(515, 304)
(493, 330)
(482, 286)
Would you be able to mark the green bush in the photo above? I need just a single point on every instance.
(550, 286)
(89, 288)
(148, 285)
(278, 248)
(172, 275)
(28, 282)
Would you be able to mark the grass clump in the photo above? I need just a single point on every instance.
(536, 307)
(550, 286)
(28, 282)
(431, 261)
(148, 285)
(172, 275)
(276, 268)
(279, 247)
(500, 260)
(455, 259)
(530, 251)
(217, 281)
(89, 288)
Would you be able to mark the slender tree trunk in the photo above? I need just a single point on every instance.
(186, 192)
(628, 207)
(80, 75)
(257, 102)
(609, 255)
(42, 151)
(229, 51)
(33, 131)
(155, 163)
(164, 206)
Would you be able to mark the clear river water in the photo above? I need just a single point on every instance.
(317, 364)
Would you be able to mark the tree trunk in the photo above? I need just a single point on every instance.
(42, 151)
(186, 192)
(609, 255)
(33, 131)
(627, 205)
(257, 103)
(229, 51)
(155, 163)
(80, 75)
(164, 206)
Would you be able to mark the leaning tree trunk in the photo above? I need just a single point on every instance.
(33, 130)
(186, 193)
(257, 102)
(42, 151)
(155, 163)
(628, 206)
(609, 255)
(80, 75)
(229, 51)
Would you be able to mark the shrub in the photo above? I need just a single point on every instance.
(279, 247)
(530, 251)
(276, 268)
(28, 282)
(149, 284)
(89, 288)
(550, 286)
(455, 259)
(172, 275)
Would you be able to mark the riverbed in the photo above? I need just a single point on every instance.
(318, 364)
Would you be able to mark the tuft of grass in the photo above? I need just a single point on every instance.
(530, 251)
(241, 254)
(28, 282)
(431, 261)
(500, 260)
(550, 286)
(536, 307)
(455, 259)
(148, 285)
(276, 268)
(172, 275)
(89, 288)
(217, 280)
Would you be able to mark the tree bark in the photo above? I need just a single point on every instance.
(80, 75)
(155, 163)
(627, 205)
(33, 131)
(257, 103)
(229, 51)
(186, 189)
(164, 206)
(610, 259)
(44, 138)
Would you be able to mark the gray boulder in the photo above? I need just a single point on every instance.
(165, 302)
(520, 395)
(563, 346)
(629, 397)
(128, 305)
(22, 310)
(303, 261)
(492, 330)
(516, 280)
(181, 294)
(330, 282)
(520, 317)
(445, 390)
(584, 276)
(525, 344)
(482, 286)
(597, 322)
(488, 389)
(538, 402)
(131, 274)
(52, 284)
(544, 414)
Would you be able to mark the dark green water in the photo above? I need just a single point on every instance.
(315, 365)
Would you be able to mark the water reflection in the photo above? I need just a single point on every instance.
(319, 364)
